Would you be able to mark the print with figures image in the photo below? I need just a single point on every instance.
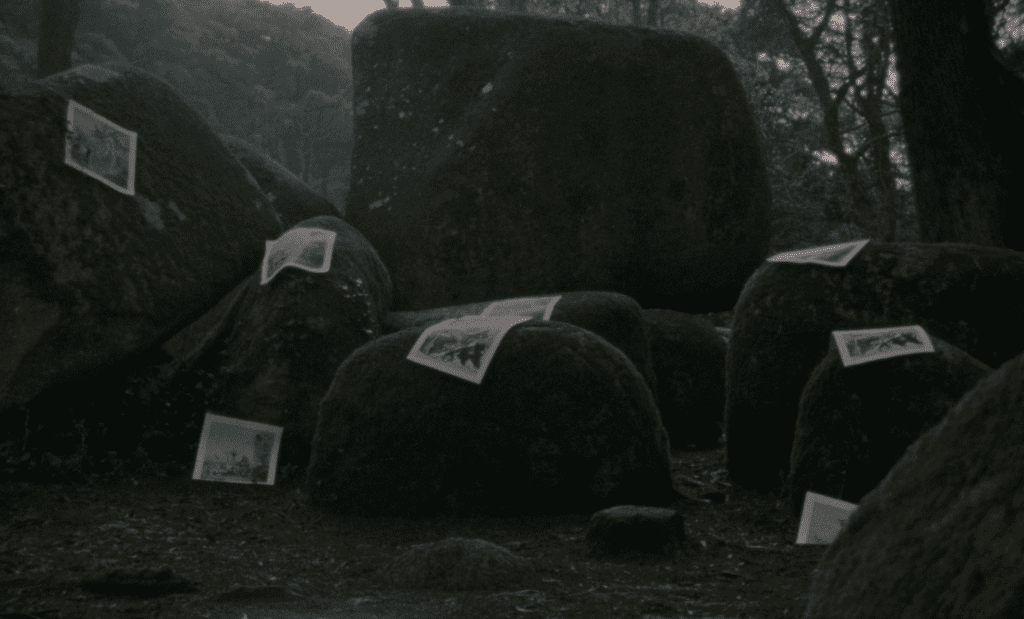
(237, 451)
(463, 347)
(823, 518)
(100, 148)
(828, 255)
(309, 249)
(864, 345)
(531, 307)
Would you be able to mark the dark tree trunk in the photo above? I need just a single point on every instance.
(391, 4)
(57, 36)
(417, 4)
(875, 45)
(653, 13)
(963, 115)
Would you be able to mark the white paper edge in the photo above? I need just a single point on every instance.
(841, 336)
(551, 307)
(210, 419)
(802, 257)
(547, 310)
(458, 371)
(810, 498)
(132, 150)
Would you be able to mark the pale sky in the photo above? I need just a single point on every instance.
(348, 13)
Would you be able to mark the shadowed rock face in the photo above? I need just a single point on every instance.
(275, 348)
(963, 294)
(943, 534)
(290, 196)
(856, 422)
(89, 275)
(500, 155)
(561, 423)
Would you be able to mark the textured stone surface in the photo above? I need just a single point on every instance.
(943, 535)
(500, 155)
(632, 529)
(963, 294)
(88, 275)
(855, 422)
(689, 361)
(561, 423)
(613, 316)
(275, 349)
(459, 564)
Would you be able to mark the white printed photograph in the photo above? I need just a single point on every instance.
(823, 519)
(237, 451)
(828, 255)
(531, 307)
(865, 345)
(462, 347)
(100, 148)
(309, 249)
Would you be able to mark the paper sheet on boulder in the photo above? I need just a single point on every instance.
(100, 148)
(828, 255)
(532, 307)
(867, 345)
(463, 347)
(614, 316)
(823, 518)
(309, 249)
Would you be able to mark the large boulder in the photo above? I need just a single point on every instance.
(273, 350)
(784, 319)
(561, 423)
(500, 155)
(689, 361)
(294, 199)
(855, 422)
(943, 535)
(613, 316)
(633, 531)
(89, 275)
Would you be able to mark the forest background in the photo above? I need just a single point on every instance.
(820, 78)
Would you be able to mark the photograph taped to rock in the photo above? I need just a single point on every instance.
(531, 307)
(827, 255)
(237, 451)
(823, 519)
(100, 148)
(462, 347)
(865, 345)
(309, 249)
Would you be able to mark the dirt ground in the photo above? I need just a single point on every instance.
(255, 552)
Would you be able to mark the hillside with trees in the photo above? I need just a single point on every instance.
(278, 77)
(820, 75)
